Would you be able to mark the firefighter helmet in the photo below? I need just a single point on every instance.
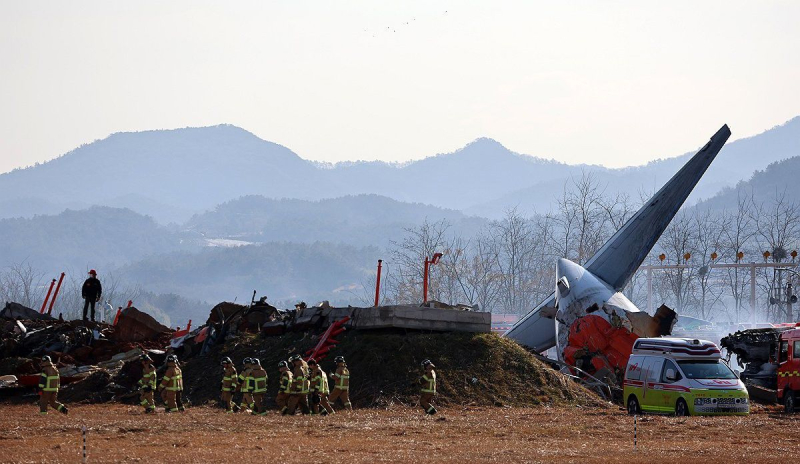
(339, 359)
(172, 358)
(312, 362)
(145, 358)
(283, 364)
(427, 363)
(226, 360)
(255, 361)
(46, 359)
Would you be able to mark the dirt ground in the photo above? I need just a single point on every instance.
(120, 433)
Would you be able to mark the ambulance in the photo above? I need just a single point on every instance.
(682, 376)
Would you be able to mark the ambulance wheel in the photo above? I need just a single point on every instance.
(633, 406)
(789, 401)
(681, 408)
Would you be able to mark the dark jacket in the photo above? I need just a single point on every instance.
(92, 290)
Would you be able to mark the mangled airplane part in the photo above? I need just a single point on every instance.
(590, 322)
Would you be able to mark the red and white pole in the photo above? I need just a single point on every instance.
(55, 295)
(46, 298)
(378, 284)
(425, 281)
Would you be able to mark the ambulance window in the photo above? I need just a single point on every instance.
(784, 352)
(654, 369)
(670, 365)
(796, 350)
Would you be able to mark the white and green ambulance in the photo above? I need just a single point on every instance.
(681, 376)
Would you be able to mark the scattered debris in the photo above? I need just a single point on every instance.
(18, 311)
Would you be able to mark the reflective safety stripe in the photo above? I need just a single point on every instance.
(340, 381)
(430, 386)
(260, 384)
(51, 383)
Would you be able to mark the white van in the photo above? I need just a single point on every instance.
(682, 376)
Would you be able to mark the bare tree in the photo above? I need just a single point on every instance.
(738, 229)
(22, 284)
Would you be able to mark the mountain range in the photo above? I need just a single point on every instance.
(174, 174)
(213, 213)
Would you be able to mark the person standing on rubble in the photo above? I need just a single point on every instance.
(299, 394)
(49, 382)
(319, 390)
(284, 387)
(341, 384)
(91, 292)
(172, 385)
(428, 391)
(147, 384)
(245, 386)
(230, 379)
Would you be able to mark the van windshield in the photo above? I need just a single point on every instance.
(706, 370)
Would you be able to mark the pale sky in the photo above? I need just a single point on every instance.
(614, 83)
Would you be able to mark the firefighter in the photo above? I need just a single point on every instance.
(284, 388)
(245, 386)
(341, 384)
(49, 381)
(428, 391)
(171, 385)
(319, 390)
(230, 380)
(91, 292)
(147, 384)
(300, 385)
(259, 376)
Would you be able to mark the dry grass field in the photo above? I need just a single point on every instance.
(120, 433)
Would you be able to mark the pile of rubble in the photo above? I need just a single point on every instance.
(384, 346)
(84, 352)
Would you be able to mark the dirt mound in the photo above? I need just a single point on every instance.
(473, 369)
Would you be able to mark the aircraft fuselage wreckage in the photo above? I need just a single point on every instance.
(592, 324)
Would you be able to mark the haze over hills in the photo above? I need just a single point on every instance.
(229, 212)
(781, 178)
(355, 220)
(172, 174)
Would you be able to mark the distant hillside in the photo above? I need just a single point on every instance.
(172, 174)
(780, 177)
(99, 237)
(736, 161)
(284, 271)
(355, 220)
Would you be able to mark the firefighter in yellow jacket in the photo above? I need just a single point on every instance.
(230, 379)
(147, 385)
(284, 388)
(319, 390)
(341, 384)
(172, 385)
(300, 385)
(259, 376)
(428, 383)
(49, 382)
(246, 386)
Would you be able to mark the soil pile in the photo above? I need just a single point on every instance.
(472, 369)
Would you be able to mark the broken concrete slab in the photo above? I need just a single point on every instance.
(135, 326)
(420, 318)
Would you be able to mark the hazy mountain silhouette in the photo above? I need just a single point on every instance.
(778, 179)
(355, 220)
(736, 162)
(172, 174)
